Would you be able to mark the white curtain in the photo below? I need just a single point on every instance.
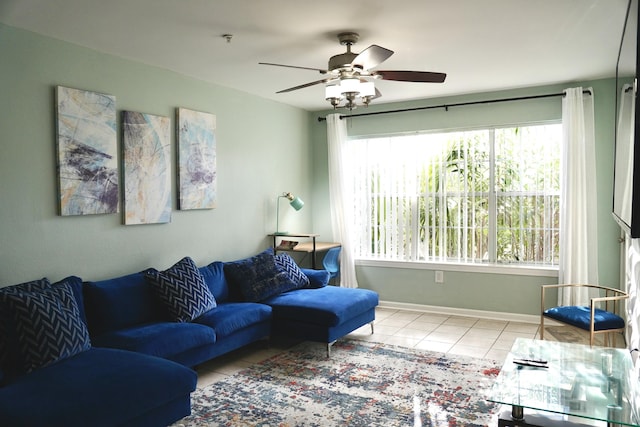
(632, 285)
(339, 197)
(624, 154)
(578, 211)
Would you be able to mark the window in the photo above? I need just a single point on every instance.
(479, 196)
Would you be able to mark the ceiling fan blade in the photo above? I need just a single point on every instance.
(371, 56)
(294, 66)
(412, 76)
(303, 86)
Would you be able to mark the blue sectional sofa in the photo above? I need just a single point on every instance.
(124, 313)
(119, 352)
(52, 375)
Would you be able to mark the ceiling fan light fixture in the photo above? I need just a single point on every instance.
(367, 89)
(348, 89)
(350, 85)
(332, 92)
(350, 76)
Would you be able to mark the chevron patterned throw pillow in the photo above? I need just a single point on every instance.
(8, 338)
(285, 263)
(48, 325)
(183, 290)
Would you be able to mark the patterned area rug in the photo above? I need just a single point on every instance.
(362, 384)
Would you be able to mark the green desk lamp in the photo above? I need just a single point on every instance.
(295, 202)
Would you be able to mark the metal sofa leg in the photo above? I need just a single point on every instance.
(371, 328)
(329, 344)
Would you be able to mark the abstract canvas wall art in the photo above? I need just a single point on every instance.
(87, 152)
(196, 159)
(147, 168)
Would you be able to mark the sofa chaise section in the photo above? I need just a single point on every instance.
(52, 375)
(303, 305)
(322, 314)
(100, 387)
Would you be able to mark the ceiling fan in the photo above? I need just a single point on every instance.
(349, 75)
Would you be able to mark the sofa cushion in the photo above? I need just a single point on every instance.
(258, 277)
(99, 388)
(120, 302)
(317, 278)
(213, 275)
(48, 325)
(182, 290)
(285, 263)
(230, 317)
(327, 306)
(161, 339)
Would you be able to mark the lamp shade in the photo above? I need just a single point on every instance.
(367, 89)
(332, 91)
(350, 85)
(297, 203)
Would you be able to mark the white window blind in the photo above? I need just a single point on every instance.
(489, 195)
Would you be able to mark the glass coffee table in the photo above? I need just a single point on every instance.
(589, 383)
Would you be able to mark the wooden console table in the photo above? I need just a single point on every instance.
(312, 247)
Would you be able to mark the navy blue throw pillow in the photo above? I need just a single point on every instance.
(183, 290)
(285, 263)
(48, 325)
(317, 278)
(258, 277)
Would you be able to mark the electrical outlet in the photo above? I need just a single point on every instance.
(439, 276)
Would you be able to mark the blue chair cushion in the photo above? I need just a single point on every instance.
(48, 325)
(162, 339)
(182, 289)
(580, 317)
(258, 277)
(231, 317)
(327, 306)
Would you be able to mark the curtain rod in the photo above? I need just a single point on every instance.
(460, 104)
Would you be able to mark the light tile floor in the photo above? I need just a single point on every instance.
(467, 336)
(483, 338)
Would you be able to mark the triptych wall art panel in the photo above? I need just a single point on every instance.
(147, 168)
(87, 152)
(196, 159)
(87, 148)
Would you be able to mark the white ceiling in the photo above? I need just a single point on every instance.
(482, 45)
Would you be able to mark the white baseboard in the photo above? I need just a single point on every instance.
(482, 314)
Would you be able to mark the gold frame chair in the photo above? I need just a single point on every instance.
(611, 302)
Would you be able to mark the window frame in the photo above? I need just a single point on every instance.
(492, 267)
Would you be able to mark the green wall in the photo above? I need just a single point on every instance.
(471, 290)
(262, 150)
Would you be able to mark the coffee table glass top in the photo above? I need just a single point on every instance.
(582, 381)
